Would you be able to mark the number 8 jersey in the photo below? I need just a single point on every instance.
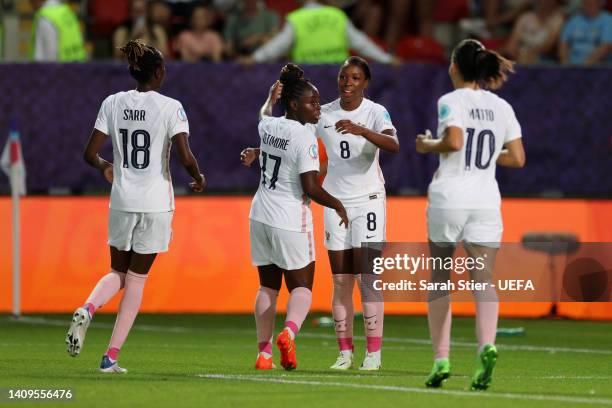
(287, 150)
(465, 179)
(141, 126)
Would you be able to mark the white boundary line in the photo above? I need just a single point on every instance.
(457, 393)
(177, 329)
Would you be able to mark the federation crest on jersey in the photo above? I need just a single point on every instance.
(444, 111)
(181, 114)
(313, 151)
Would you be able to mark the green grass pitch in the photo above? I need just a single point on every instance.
(206, 361)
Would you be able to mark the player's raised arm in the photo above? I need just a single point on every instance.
(312, 188)
(273, 96)
(189, 162)
(91, 156)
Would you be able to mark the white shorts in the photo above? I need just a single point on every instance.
(482, 227)
(143, 233)
(288, 250)
(367, 223)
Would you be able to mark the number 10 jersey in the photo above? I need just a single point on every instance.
(141, 126)
(465, 179)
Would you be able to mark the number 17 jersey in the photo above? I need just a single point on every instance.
(465, 179)
(141, 126)
(287, 150)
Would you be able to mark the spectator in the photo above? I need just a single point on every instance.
(56, 33)
(499, 16)
(319, 34)
(249, 28)
(140, 26)
(536, 32)
(587, 36)
(160, 14)
(200, 42)
(399, 18)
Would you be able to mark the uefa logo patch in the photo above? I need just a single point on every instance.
(314, 151)
(182, 115)
(386, 115)
(444, 111)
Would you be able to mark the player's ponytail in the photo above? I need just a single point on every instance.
(294, 84)
(143, 60)
(477, 64)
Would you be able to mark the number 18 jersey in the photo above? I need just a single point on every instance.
(141, 126)
(465, 179)
(287, 150)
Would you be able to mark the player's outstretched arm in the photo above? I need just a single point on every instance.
(385, 140)
(311, 187)
(91, 156)
(513, 155)
(189, 162)
(273, 96)
(451, 142)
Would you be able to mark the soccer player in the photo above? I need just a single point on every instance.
(280, 218)
(353, 130)
(474, 125)
(142, 125)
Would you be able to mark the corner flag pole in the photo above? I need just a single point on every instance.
(15, 191)
(11, 162)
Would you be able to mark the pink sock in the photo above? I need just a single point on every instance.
(342, 309)
(345, 343)
(298, 306)
(265, 312)
(128, 308)
(487, 310)
(265, 347)
(107, 287)
(373, 318)
(439, 319)
(113, 353)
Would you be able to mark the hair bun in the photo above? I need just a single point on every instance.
(291, 73)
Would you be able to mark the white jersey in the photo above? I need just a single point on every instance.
(141, 126)
(288, 149)
(353, 171)
(465, 179)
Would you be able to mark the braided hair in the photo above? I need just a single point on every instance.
(294, 84)
(143, 60)
(477, 64)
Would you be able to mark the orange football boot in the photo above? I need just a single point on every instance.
(286, 345)
(264, 363)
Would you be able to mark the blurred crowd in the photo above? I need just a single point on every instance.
(388, 31)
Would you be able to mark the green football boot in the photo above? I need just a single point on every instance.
(484, 373)
(439, 373)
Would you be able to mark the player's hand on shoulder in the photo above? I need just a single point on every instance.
(248, 156)
(275, 91)
(108, 174)
(346, 126)
(343, 216)
(198, 185)
(421, 141)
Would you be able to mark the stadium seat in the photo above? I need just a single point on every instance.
(106, 15)
(450, 11)
(420, 49)
(494, 43)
